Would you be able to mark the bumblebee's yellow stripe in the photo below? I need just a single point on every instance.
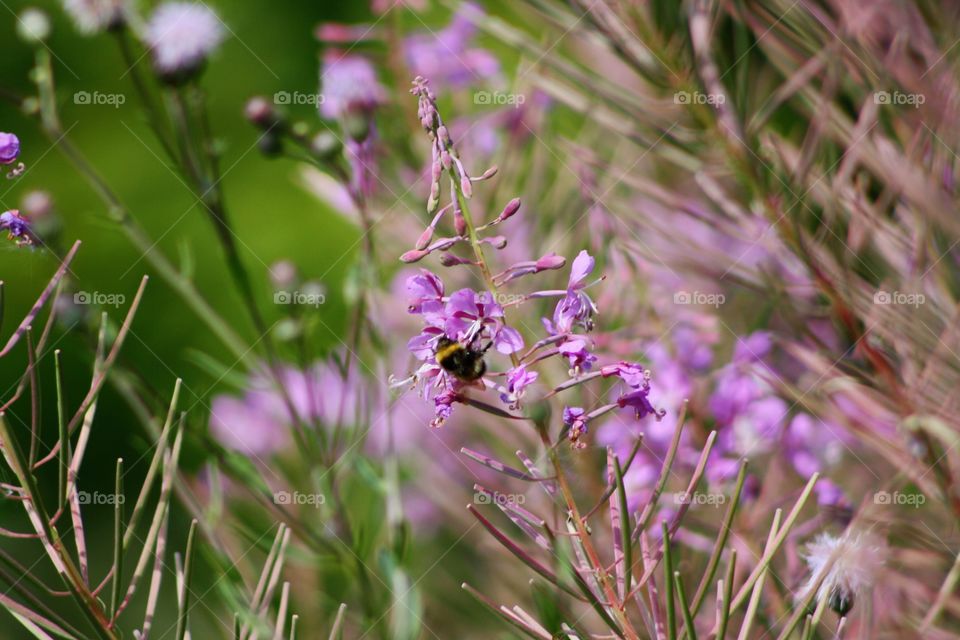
(445, 352)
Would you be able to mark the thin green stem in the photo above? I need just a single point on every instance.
(668, 587)
(155, 115)
(183, 614)
(145, 245)
(118, 497)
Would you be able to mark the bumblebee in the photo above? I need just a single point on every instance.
(462, 362)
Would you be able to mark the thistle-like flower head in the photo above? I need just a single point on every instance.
(181, 35)
(93, 16)
(349, 85)
(849, 565)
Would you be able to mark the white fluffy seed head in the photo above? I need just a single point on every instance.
(181, 35)
(93, 16)
(849, 564)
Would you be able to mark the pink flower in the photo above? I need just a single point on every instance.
(349, 85)
(181, 35)
(518, 379)
(424, 289)
(17, 227)
(575, 419)
(576, 307)
(447, 57)
(575, 350)
(469, 313)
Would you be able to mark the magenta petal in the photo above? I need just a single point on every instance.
(424, 286)
(508, 340)
(462, 301)
(9, 148)
(422, 345)
(582, 267)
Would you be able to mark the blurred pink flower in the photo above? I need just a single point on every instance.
(348, 84)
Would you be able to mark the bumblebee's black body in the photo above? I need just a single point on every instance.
(464, 363)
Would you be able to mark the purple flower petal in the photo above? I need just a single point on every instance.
(9, 148)
(582, 267)
(508, 340)
(423, 287)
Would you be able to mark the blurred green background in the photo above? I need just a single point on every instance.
(270, 48)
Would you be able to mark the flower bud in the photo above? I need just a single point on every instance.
(260, 112)
(550, 261)
(300, 129)
(37, 204)
(512, 207)
(283, 274)
(270, 144)
(459, 222)
(94, 17)
(414, 255)
(450, 260)
(424, 240)
(325, 145)
(357, 126)
(434, 200)
(33, 26)
(444, 134)
(489, 173)
(466, 186)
